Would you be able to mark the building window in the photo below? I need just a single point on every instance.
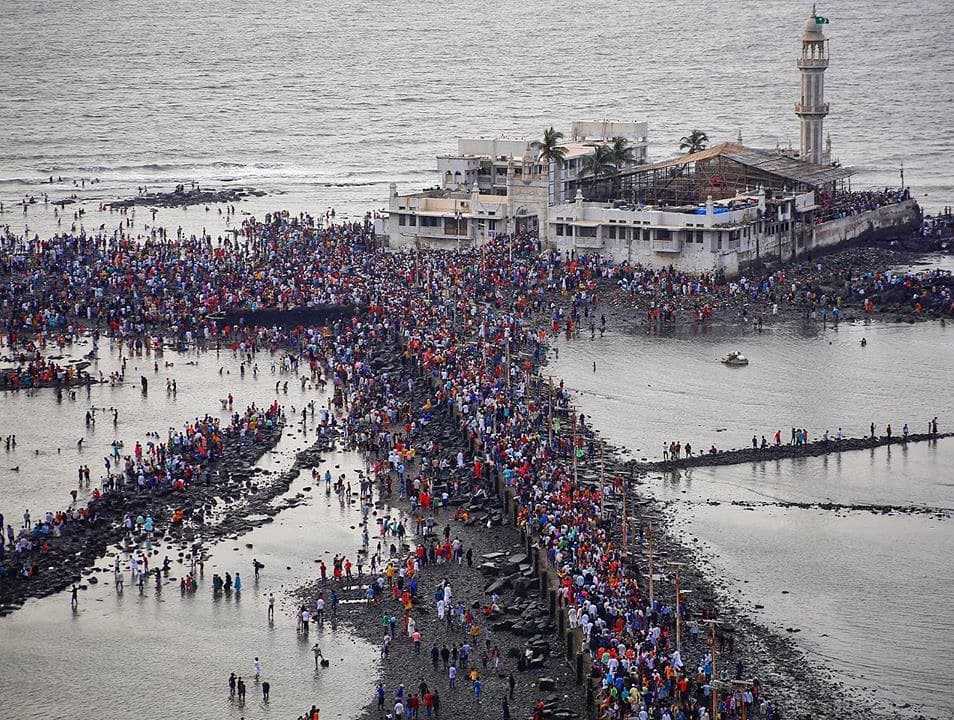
(611, 232)
(586, 232)
(412, 220)
(401, 220)
(491, 225)
(559, 229)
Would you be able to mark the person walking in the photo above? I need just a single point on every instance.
(241, 690)
(258, 669)
(74, 597)
(232, 685)
(266, 687)
(318, 656)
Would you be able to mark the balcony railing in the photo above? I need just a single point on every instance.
(812, 109)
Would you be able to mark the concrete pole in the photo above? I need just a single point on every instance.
(678, 615)
(650, 537)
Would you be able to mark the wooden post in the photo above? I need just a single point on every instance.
(508, 363)
(678, 617)
(625, 525)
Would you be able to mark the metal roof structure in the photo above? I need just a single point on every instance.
(772, 162)
(720, 171)
(785, 166)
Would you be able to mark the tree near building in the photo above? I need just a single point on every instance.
(600, 163)
(551, 151)
(694, 141)
(622, 152)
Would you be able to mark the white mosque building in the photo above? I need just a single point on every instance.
(714, 210)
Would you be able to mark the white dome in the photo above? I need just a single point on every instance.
(813, 31)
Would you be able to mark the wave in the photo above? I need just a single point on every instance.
(150, 167)
(23, 181)
(368, 183)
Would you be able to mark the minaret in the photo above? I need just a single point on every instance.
(812, 108)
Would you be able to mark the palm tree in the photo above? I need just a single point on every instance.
(552, 151)
(550, 148)
(622, 152)
(599, 163)
(694, 142)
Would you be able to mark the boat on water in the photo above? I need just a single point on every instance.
(735, 359)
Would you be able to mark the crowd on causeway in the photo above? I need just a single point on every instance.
(148, 290)
(463, 329)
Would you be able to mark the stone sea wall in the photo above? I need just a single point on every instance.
(887, 218)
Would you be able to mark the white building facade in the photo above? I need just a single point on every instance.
(496, 186)
(723, 236)
(717, 237)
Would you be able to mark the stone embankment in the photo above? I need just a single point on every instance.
(65, 558)
(781, 452)
(185, 197)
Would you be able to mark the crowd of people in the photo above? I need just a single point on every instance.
(41, 372)
(158, 468)
(465, 329)
(845, 203)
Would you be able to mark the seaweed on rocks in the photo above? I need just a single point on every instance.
(182, 197)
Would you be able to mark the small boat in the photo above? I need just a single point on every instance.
(735, 359)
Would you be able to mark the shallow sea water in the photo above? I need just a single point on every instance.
(156, 656)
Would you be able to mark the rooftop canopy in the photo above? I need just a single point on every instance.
(772, 162)
(720, 171)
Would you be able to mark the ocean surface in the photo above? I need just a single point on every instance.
(323, 105)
